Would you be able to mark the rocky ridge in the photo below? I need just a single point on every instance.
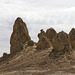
(53, 51)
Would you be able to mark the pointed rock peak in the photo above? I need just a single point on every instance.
(19, 19)
(51, 28)
(42, 33)
(41, 30)
(19, 25)
(62, 32)
(72, 38)
(73, 30)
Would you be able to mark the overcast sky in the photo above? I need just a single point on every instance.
(38, 14)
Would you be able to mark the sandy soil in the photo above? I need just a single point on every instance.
(35, 62)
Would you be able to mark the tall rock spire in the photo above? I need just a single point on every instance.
(19, 36)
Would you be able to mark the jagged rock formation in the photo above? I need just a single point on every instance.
(72, 38)
(30, 60)
(61, 42)
(43, 41)
(50, 34)
(19, 36)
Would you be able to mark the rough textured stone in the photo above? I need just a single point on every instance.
(55, 54)
(50, 34)
(72, 38)
(5, 55)
(43, 41)
(61, 42)
(30, 43)
(19, 36)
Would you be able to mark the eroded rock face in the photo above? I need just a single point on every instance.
(61, 42)
(72, 38)
(50, 34)
(30, 43)
(19, 36)
(43, 41)
(5, 55)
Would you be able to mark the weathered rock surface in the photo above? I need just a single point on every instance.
(72, 38)
(5, 55)
(50, 34)
(43, 60)
(43, 41)
(61, 42)
(30, 43)
(19, 36)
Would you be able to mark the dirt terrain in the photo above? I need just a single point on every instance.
(33, 62)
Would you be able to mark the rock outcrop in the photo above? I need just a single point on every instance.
(72, 38)
(19, 36)
(30, 43)
(50, 34)
(61, 42)
(43, 41)
(5, 55)
(61, 45)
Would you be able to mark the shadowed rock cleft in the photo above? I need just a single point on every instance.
(30, 43)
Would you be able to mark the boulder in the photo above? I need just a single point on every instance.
(50, 34)
(43, 41)
(61, 42)
(5, 55)
(30, 43)
(19, 36)
(72, 38)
